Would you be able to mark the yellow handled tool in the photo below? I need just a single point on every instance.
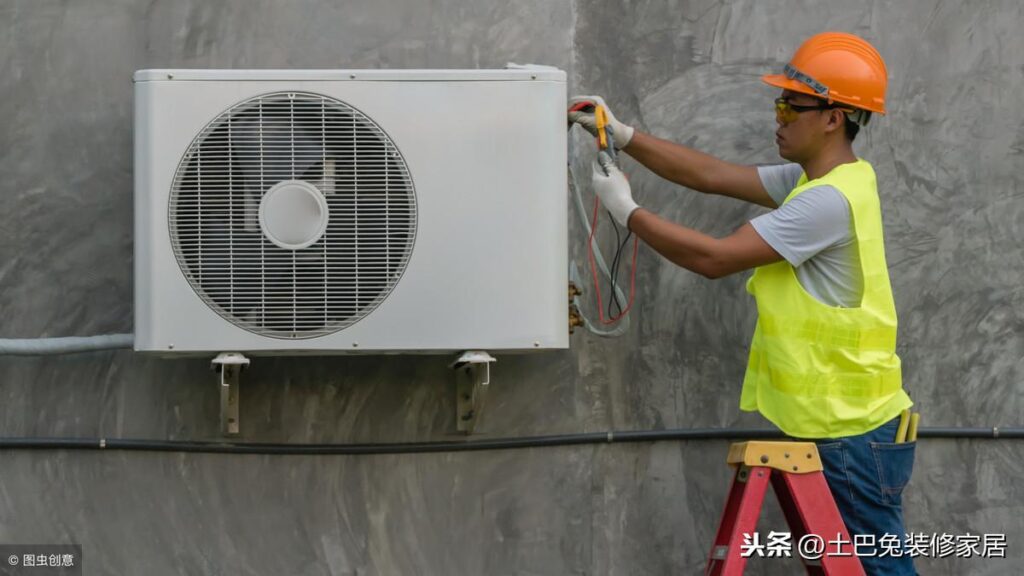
(907, 431)
(915, 418)
(605, 134)
(602, 122)
(901, 433)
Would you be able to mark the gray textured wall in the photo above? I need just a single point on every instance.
(949, 160)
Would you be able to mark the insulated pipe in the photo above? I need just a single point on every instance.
(610, 437)
(622, 326)
(66, 345)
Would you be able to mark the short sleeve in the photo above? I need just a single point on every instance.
(780, 179)
(816, 219)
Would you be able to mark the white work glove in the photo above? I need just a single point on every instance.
(613, 189)
(621, 133)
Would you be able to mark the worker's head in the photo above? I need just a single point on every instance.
(807, 125)
(831, 86)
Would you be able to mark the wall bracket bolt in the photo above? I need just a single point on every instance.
(472, 378)
(229, 366)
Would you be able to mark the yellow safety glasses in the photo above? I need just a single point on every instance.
(786, 112)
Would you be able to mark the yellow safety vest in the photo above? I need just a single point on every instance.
(818, 371)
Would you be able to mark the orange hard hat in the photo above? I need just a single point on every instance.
(838, 67)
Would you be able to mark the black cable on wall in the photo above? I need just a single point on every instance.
(610, 437)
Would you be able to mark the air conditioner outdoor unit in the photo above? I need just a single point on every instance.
(341, 211)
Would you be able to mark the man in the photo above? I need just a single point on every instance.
(822, 361)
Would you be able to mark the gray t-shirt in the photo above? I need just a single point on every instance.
(814, 233)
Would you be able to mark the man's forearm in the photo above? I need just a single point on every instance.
(673, 162)
(699, 171)
(708, 256)
(682, 246)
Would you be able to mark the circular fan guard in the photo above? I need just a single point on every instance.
(219, 239)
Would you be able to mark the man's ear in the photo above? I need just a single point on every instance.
(836, 120)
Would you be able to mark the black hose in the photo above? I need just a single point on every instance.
(612, 437)
(984, 433)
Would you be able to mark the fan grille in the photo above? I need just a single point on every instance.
(214, 215)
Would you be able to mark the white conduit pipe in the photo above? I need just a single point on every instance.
(66, 345)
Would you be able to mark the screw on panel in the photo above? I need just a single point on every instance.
(536, 344)
(170, 76)
(352, 76)
(170, 346)
(355, 344)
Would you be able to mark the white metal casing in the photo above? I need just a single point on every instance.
(486, 152)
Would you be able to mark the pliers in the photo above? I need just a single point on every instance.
(605, 133)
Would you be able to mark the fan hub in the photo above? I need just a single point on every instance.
(293, 214)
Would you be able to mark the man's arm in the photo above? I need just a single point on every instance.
(708, 256)
(700, 253)
(697, 170)
(675, 162)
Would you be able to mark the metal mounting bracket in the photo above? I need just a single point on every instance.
(229, 365)
(472, 377)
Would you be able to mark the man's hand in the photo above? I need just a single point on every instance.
(621, 133)
(612, 188)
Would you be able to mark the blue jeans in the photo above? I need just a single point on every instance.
(866, 475)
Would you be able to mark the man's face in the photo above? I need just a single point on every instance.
(801, 133)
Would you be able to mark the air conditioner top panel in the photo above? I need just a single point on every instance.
(535, 73)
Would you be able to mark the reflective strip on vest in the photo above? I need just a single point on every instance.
(818, 371)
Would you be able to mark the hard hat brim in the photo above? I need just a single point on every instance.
(781, 81)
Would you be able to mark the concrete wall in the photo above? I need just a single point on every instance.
(949, 160)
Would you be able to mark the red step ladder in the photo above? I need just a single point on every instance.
(795, 472)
